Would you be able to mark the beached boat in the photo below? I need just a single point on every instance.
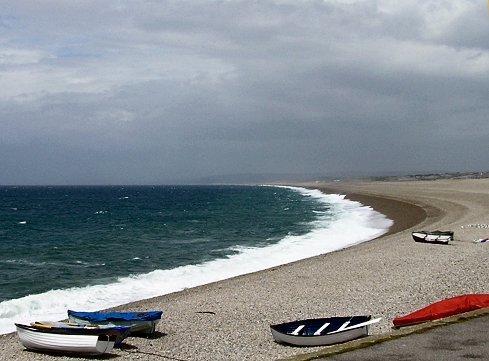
(124, 330)
(322, 331)
(69, 339)
(139, 322)
(445, 308)
(441, 237)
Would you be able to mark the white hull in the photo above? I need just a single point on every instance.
(66, 343)
(296, 335)
(77, 326)
(431, 238)
(323, 340)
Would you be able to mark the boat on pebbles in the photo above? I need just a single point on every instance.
(58, 337)
(444, 308)
(322, 331)
(437, 237)
(143, 322)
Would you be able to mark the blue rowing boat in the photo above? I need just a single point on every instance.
(139, 322)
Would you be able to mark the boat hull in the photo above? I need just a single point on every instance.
(88, 342)
(324, 340)
(444, 308)
(121, 331)
(322, 331)
(437, 237)
(138, 322)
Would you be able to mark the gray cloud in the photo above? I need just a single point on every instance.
(177, 91)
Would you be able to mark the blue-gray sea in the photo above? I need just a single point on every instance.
(93, 247)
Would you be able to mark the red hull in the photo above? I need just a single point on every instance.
(445, 308)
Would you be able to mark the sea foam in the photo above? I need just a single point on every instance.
(351, 223)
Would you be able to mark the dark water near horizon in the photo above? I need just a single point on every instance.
(60, 237)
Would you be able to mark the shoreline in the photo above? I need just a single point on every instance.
(404, 215)
(386, 277)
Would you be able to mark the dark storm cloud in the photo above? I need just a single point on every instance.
(176, 91)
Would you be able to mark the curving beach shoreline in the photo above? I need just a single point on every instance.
(387, 277)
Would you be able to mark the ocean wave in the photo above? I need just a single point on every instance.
(345, 224)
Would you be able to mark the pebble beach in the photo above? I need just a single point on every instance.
(386, 277)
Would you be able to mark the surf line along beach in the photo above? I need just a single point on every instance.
(386, 277)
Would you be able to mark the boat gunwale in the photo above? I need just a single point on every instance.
(111, 331)
(322, 320)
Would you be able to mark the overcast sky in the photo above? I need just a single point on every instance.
(158, 92)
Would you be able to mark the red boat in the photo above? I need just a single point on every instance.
(445, 308)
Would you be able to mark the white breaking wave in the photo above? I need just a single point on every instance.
(352, 223)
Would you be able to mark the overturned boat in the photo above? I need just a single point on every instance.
(444, 308)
